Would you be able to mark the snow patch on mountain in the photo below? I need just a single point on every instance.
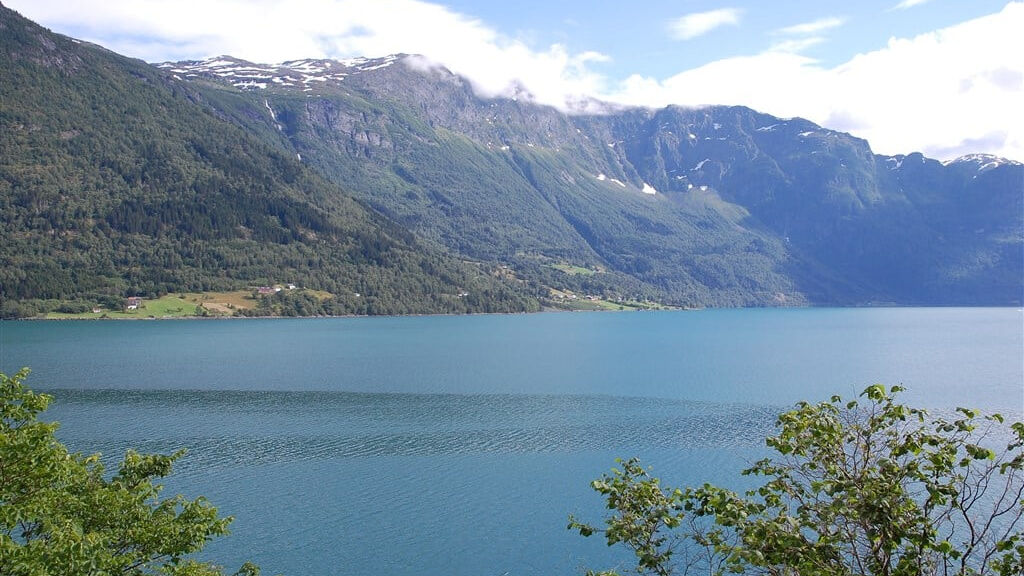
(289, 74)
(895, 162)
(984, 162)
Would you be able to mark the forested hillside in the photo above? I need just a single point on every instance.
(115, 182)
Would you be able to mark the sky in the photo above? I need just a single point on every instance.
(942, 77)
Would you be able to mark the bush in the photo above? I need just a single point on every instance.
(866, 487)
(61, 514)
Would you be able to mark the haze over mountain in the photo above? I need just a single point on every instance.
(120, 177)
(880, 71)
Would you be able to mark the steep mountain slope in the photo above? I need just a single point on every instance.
(902, 229)
(505, 181)
(114, 181)
(717, 206)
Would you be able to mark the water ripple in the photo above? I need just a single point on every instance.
(229, 429)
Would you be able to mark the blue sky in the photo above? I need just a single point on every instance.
(944, 77)
(637, 37)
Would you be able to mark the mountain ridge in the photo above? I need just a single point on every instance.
(226, 66)
(785, 181)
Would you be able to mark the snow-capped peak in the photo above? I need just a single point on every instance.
(984, 162)
(292, 73)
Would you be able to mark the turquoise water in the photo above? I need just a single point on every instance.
(458, 445)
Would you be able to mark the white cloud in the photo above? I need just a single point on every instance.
(270, 31)
(700, 23)
(800, 37)
(943, 93)
(815, 27)
(908, 4)
(796, 44)
(950, 91)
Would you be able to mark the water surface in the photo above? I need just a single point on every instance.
(458, 445)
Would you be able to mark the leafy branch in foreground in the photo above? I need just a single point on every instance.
(867, 487)
(59, 514)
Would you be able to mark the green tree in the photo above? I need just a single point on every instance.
(60, 514)
(858, 488)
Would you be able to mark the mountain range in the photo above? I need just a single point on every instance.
(391, 176)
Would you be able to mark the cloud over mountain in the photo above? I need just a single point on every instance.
(929, 92)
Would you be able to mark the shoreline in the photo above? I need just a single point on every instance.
(141, 313)
(423, 315)
(541, 311)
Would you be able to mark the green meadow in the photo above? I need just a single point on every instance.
(169, 306)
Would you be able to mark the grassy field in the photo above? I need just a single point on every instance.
(169, 306)
(182, 305)
(222, 303)
(589, 305)
(566, 300)
(574, 270)
(608, 305)
(193, 304)
(322, 295)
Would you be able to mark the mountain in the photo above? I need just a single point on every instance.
(390, 184)
(117, 180)
(720, 206)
